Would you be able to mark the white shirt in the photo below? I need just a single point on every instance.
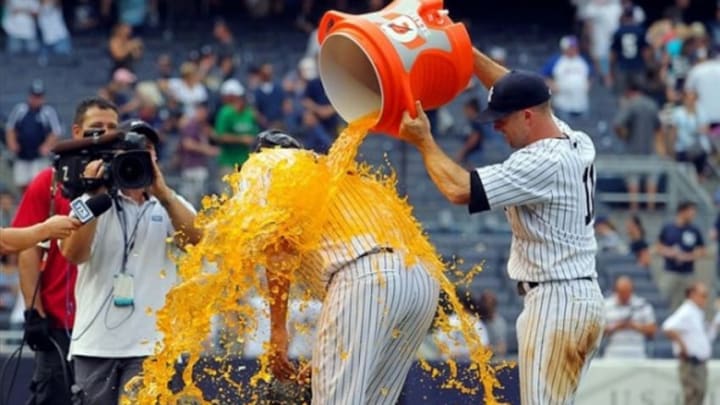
(102, 329)
(52, 25)
(18, 20)
(689, 322)
(627, 343)
(704, 79)
(572, 81)
(604, 18)
(454, 340)
(189, 97)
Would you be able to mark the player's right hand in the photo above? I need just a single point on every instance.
(60, 226)
(415, 130)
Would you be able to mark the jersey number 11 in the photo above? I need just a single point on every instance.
(589, 182)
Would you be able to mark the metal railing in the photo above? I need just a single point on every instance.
(681, 182)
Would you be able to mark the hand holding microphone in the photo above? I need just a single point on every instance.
(59, 226)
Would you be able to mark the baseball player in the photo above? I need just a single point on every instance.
(377, 306)
(546, 188)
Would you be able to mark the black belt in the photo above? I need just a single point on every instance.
(376, 250)
(524, 287)
(695, 361)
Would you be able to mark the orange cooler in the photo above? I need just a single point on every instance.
(386, 60)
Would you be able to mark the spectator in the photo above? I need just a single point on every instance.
(316, 102)
(495, 324)
(124, 272)
(50, 313)
(188, 90)
(686, 134)
(55, 35)
(474, 134)
(602, 18)
(235, 127)
(132, 13)
(678, 12)
(19, 25)
(31, 131)
(608, 239)
(714, 26)
(629, 322)
(119, 91)
(629, 52)
(692, 339)
(225, 47)
(637, 12)
(568, 76)
(269, 97)
(681, 244)
(195, 153)
(638, 243)
(704, 80)
(124, 49)
(637, 123)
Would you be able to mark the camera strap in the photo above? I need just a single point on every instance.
(129, 236)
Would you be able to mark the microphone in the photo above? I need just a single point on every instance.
(86, 209)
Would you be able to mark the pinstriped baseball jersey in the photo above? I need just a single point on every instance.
(547, 191)
(356, 220)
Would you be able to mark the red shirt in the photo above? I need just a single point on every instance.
(57, 290)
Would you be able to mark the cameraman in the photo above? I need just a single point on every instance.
(124, 272)
(47, 280)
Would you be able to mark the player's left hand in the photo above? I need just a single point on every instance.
(415, 130)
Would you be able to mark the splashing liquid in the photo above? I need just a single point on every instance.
(276, 218)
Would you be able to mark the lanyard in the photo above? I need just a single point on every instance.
(129, 239)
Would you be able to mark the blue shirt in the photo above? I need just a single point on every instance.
(316, 92)
(269, 99)
(685, 238)
(628, 44)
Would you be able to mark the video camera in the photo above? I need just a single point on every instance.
(128, 163)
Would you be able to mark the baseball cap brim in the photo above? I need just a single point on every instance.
(490, 115)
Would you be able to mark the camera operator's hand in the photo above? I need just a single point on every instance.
(159, 188)
(37, 331)
(95, 170)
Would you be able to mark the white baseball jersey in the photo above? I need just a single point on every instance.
(547, 191)
(377, 308)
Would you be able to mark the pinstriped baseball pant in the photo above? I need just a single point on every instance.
(373, 320)
(558, 331)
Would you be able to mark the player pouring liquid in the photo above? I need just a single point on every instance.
(546, 188)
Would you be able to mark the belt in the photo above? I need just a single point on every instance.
(524, 287)
(695, 361)
(376, 250)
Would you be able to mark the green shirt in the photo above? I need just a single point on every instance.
(232, 122)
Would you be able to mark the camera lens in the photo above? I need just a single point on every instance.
(133, 169)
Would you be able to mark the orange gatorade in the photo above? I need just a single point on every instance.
(384, 61)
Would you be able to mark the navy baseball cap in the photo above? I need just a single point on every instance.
(142, 128)
(515, 91)
(37, 87)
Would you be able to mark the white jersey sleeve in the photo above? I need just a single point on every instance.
(526, 177)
